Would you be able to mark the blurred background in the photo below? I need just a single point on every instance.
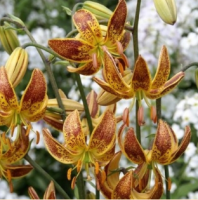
(46, 19)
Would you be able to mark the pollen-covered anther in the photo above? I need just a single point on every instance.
(119, 47)
(94, 58)
(37, 137)
(12, 130)
(11, 186)
(69, 174)
(141, 121)
(153, 114)
(169, 184)
(28, 130)
(125, 116)
(104, 176)
(79, 165)
(96, 168)
(73, 182)
(8, 142)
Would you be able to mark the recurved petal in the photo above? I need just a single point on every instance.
(166, 88)
(163, 69)
(117, 22)
(73, 133)
(92, 103)
(164, 144)
(8, 98)
(112, 176)
(34, 99)
(88, 26)
(50, 192)
(183, 145)
(32, 193)
(141, 75)
(58, 151)
(124, 187)
(52, 120)
(86, 68)
(72, 49)
(18, 150)
(18, 171)
(131, 147)
(103, 135)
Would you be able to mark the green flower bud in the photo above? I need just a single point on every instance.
(8, 38)
(166, 9)
(100, 11)
(16, 65)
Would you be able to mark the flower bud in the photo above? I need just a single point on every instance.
(16, 19)
(166, 9)
(100, 11)
(8, 38)
(16, 65)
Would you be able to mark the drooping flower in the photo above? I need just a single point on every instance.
(141, 84)
(125, 188)
(165, 149)
(87, 49)
(10, 155)
(32, 105)
(50, 192)
(74, 150)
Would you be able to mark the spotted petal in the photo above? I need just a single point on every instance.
(72, 49)
(50, 192)
(116, 23)
(73, 133)
(141, 77)
(6, 118)
(18, 150)
(58, 151)
(131, 147)
(34, 99)
(163, 69)
(103, 135)
(88, 26)
(8, 98)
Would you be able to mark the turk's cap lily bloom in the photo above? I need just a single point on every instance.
(33, 102)
(50, 192)
(8, 38)
(74, 150)
(11, 153)
(167, 10)
(16, 65)
(115, 188)
(165, 149)
(87, 49)
(141, 85)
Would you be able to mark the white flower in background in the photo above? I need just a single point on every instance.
(190, 152)
(6, 7)
(193, 195)
(178, 131)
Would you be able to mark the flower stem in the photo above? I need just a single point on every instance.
(158, 108)
(47, 176)
(190, 65)
(136, 54)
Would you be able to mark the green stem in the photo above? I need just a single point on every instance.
(82, 93)
(81, 186)
(158, 108)
(136, 54)
(190, 65)
(47, 176)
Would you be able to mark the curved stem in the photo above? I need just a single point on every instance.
(190, 65)
(47, 176)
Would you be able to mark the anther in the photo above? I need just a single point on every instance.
(153, 114)
(28, 130)
(141, 121)
(94, 59)
(73, 182)
(69, 174)
(37, 137)
(96, 168)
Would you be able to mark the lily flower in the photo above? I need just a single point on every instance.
(74, 150)
(141, 84)
(50, 192)
(88, 48)
(11, 153)
(124, 188)
(165, 149)
(32, 105)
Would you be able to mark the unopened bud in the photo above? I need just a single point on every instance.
(196, 77)
(16, 65)
(8, 38)
(16, 19)
(100, 11)
(92, 104)
(166, 9)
